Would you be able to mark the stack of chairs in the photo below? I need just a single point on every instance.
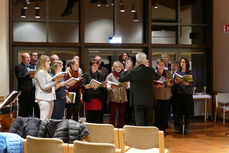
(103, 138)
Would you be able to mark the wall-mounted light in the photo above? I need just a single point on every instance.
(135, 17)
(37, 6)
(28, 1)
(98, 3)
(25, 7)
(154, 5)
(133, 8)
(106, 3)
(122, 9)
(23, 13)
(112, 3)
(121, 2)
(37, 13)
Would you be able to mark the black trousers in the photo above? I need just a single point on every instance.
(143, 115)
(161, 114)
(129, 113)
(73, 110)
(94, 116)
(26, 101)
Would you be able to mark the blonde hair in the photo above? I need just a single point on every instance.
(117, 63)
(41, 63)
(73, 61)
(55, 64)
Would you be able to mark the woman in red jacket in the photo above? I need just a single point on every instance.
(74, 108)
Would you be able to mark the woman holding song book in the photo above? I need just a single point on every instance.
(45, 88)
(74, 108)
(184, 104)
(93, 97)
(59, 103)
(117, 96)
(163, 93)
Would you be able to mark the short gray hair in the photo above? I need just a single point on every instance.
(141, 58)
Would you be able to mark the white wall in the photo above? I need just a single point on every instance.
(220, 46)
(4, 49)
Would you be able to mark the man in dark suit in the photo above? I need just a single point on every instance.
(141, 89)
(33, 65)
(25, 85)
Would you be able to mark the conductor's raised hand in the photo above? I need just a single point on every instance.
(128, 65)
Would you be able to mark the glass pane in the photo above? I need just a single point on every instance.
(193, 35)
(63, 10)
(156, 55)
(29, 32)
(164, 11)
(30, 11)
(98, 23)
(164, 34)
(63, 32)
(65, 55)
(198, 65)
(109, 55)
(130, 30)
(195, 11)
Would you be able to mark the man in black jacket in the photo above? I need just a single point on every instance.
(25, 85)
(33, 65)
(141, 89)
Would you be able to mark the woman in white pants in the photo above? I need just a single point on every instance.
(45, 88)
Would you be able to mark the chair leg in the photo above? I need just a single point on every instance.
(223, 116)
(161, 142)
(215, 115)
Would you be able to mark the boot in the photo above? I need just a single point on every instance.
(187, 121)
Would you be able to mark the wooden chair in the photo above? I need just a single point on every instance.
(221, 102)
(89, 147)
(44, 145)
(141, 139)
(102, 133)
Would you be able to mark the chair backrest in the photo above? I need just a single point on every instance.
(101, 133)
(44, 145)
(89, 147)
(141, 137)
(222, 98)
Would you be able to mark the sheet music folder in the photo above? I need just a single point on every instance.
(10, 99)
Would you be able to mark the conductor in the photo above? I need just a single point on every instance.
(141, 89)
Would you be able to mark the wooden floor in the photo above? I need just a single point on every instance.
(203, 138)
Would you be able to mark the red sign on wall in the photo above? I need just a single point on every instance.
(225, 28)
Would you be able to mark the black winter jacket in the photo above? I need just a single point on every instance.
(66, 130)
(24, 126)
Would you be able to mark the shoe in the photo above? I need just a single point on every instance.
(176, 127)
(165, 133)
(186, 130)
